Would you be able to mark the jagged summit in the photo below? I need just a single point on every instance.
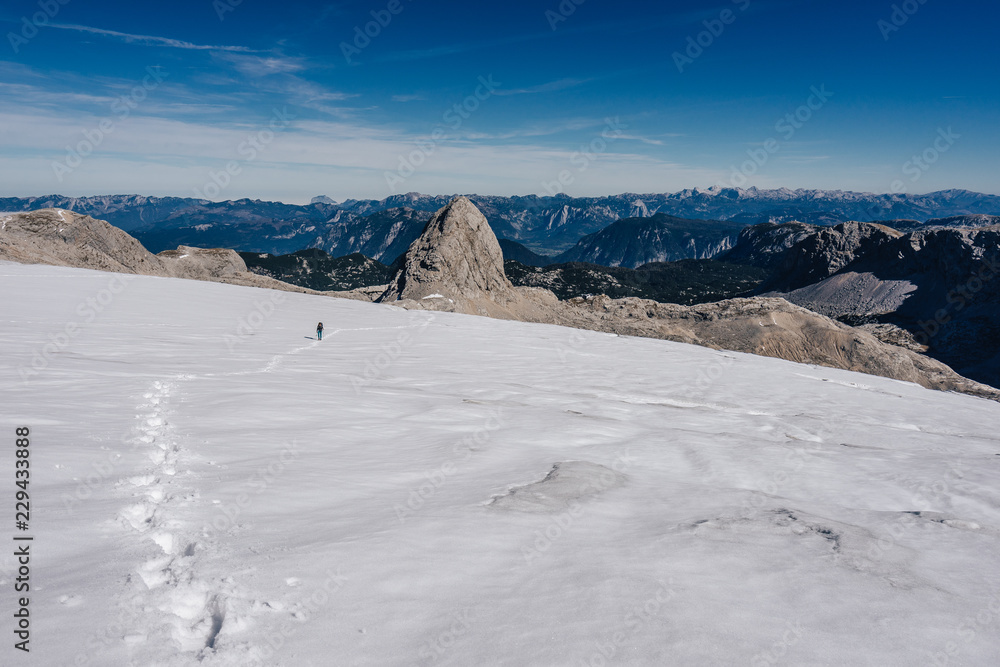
(457, 260)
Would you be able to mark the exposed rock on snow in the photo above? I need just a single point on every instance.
(458, 261)
(770, 327)
(458, 256)
(937, 283)
(65, 238)
(566, 484)
(203, 264)
(457, 252)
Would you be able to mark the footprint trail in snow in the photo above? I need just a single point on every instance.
(169, 600)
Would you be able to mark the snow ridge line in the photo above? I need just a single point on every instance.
(172, 609)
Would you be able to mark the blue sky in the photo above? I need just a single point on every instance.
(590, 98)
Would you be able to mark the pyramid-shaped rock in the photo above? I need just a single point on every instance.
(457, 259)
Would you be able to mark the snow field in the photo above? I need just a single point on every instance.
(431, 489)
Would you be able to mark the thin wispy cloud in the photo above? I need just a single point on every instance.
(626, 25)
(550, 87)
(559, 89)
(260, 66)
(645, 140)
(148, 40)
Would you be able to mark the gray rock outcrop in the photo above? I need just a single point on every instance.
(64, 238)
(456, 264)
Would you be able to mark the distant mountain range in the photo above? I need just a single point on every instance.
(932, 291)
(549, 226)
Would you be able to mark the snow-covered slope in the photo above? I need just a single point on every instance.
(208, 482)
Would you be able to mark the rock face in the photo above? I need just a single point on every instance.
(316, 270)
(661, 238)
(769, 327)
(203, 263)
(936, 284)
(64, 238)
(805, 254)
(456, 265)
(456, 261)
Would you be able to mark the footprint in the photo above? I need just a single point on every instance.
(70, 600)
(293, 581)
(156, 572)
(165, 541)
(139, 516)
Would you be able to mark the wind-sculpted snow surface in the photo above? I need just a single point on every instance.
(566, 484)
(439, 489)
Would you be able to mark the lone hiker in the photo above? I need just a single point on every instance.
(319, 331)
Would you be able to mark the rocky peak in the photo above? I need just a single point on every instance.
(457, 259)
(824, 253)
(64, 238)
